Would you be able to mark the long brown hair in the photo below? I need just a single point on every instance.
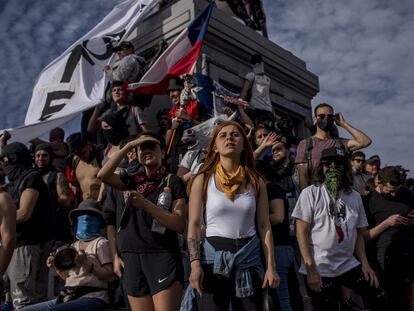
(213, 158)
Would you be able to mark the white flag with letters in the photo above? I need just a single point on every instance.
(75, 81)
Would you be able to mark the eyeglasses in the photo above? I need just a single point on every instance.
(323, 116)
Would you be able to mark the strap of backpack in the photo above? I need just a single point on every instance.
(308, 153)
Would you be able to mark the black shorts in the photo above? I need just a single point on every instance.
(148, 274)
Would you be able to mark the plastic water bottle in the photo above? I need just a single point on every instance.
(164, 201)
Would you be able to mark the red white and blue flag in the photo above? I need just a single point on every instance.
(178, 59)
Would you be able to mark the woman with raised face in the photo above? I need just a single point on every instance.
(148, 258)
(226, 265)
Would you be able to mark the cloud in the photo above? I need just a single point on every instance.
(362, 53)
(34, 32)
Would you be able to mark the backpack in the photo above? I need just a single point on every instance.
(308, 154)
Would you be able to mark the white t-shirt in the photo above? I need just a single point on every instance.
(260, 98)
(334, 227)
(98, 252)
(230, 219)
(191, 159)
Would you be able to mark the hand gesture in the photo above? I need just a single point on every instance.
(314, 280)
(118, 266)
(5, 136)
(370, 275)
(50, 262)
(196, 277)
(398, 220)
(182, 114)
(271, 279)
(137, 200)
(82, 260)
(339, 119)
(270, 139)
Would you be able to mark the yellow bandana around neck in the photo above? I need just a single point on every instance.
(229, 183)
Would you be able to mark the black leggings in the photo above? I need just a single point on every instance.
(327, 299)
(219, 291)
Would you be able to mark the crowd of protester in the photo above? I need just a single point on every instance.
(252, 218)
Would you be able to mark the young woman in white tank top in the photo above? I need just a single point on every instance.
(232, 197)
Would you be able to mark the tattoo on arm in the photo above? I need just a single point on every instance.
(193, 249)
(63, 183)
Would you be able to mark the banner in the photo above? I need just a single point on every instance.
(75, 81)
(178, 59)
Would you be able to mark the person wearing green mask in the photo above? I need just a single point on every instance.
(330, 222)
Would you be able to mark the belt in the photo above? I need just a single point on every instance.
(226, 244)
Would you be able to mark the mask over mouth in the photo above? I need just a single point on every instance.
(325, 124)
(18, 160)
(119, 129)
(333, 181)
(88, 227)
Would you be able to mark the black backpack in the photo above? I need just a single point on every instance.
(308, 154)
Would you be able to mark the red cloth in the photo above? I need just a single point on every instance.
(190, 108)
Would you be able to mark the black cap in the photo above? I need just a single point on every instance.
(123, 46)
(372, 160)
(46, 147)
(88, 206)
(175, 84)
(337, 153)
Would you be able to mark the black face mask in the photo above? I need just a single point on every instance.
(325, 124)
(14, 170)
(113, 136)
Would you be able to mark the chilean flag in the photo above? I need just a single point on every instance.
(178, 59)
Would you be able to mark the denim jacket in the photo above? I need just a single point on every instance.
(246, 258)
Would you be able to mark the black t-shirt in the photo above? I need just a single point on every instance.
(135, 234)
(280, 232)
(379, 209)
(41, 225)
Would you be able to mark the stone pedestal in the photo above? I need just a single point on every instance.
(227, 50)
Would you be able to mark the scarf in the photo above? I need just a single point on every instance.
(333, 181)
(229, 183)
(88, 227)
(148, 184)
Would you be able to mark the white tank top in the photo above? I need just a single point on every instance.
(230, 219)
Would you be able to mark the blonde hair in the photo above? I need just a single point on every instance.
(213, 158)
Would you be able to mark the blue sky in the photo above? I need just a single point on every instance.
(362, 52)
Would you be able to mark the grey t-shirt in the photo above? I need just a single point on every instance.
(129, 69)
(260, 98)
(334, 225)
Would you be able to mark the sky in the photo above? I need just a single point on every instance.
(362, 52)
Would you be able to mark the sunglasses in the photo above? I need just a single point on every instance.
(333, 161)
(328, 116)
